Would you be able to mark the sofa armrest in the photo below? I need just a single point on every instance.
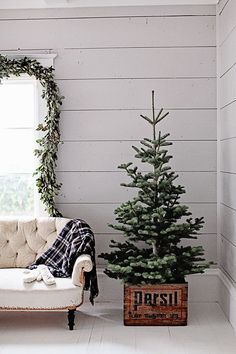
(82, 264)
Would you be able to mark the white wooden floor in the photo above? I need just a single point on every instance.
(99, 330)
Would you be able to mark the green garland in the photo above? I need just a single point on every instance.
(46, 152)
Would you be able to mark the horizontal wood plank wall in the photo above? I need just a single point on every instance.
(227, 109)
(108, 62)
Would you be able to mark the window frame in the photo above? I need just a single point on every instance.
(46, 60)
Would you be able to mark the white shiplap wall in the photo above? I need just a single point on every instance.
(108, 62)
(227, 126)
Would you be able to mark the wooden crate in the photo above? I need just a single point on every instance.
(156, 305)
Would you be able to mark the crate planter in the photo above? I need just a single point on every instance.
(156, 305)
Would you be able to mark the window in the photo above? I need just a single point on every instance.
(17, 142)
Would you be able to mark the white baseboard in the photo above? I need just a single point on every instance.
(204, 287)
(227, 297)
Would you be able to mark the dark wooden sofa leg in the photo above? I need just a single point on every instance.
(71, 318)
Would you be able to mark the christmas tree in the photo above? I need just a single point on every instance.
(154, 222)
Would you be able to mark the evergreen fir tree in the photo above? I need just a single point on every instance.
(154, 222)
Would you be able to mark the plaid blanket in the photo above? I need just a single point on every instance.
(75, 239)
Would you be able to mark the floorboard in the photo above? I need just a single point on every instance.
(99, 330)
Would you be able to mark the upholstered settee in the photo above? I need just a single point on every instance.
(21, 242)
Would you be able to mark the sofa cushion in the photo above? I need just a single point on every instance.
(22, 241)
(15, 294)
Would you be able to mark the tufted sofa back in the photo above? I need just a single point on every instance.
(22, 241)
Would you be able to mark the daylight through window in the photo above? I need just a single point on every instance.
(17, 142)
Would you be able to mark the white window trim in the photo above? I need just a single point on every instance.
(46, 59)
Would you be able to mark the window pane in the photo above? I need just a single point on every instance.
(16, 151)
(17, 103)
(16, 195)
(17, 143)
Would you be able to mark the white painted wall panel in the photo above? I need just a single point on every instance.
(221, 6)
(228, 121)
(228, 161)
(208, 210)
(228, 189)
(77, 187)
(228, 53)
(136, 62)
(136, 94)
(228, 223)
(208, 243)
(228, 88)
(227, 20)
(119, 11)
(106, 156)
(100, 215)
(228, 257)
(226, 138)
(108, 32)
(127, 125)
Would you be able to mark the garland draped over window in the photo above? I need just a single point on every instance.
(46, 152)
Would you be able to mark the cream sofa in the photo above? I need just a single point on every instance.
(21, 242)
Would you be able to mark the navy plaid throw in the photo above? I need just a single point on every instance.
(75, 239)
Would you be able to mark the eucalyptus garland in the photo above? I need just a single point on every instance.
(46, 152)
